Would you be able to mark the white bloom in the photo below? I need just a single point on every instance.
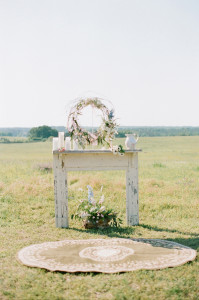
(102, 208)
(92, 201)
(84, 215)
(101, 199)
(114, 152)
(116, 148)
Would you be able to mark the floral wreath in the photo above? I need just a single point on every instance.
(105, 133)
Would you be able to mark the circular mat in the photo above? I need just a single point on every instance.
(106, 255)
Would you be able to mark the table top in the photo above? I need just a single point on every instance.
(92, 151)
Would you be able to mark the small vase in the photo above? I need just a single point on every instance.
(131, 140)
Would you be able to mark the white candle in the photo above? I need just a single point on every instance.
(68, 143)
(61, 140)
(55, 144)
(75, 145)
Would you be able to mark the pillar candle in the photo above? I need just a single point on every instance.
(61, 140)
(68, 143)
(55, 144)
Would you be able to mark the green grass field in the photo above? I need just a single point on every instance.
(169, 209)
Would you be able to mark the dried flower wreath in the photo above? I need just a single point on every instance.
(107, 130)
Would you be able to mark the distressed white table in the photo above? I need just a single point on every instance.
(94, 160)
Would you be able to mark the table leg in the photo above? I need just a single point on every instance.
(61, 192)
(132, 206)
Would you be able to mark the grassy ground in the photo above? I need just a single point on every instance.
(169, 209)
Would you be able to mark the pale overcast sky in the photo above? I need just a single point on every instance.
(143, 55)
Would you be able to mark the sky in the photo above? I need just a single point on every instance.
(141, 55)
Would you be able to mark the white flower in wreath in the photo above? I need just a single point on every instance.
(108, 131)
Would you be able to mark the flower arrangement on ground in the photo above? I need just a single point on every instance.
(94, 214)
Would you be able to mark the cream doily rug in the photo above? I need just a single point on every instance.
(106, 255)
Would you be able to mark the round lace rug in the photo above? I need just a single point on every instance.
(106, 255)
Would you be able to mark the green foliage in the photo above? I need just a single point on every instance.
(42, 132)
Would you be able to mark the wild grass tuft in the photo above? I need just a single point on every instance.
(158, 165)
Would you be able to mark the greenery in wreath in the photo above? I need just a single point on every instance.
(107, 130)
(94, 213)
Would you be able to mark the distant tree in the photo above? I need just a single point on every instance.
(42, 132)
(6, 134)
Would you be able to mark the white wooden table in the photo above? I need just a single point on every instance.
(94, 160)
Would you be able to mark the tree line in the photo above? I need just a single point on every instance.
(44, 132)
(151, 131)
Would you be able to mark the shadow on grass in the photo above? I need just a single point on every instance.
(118, 232)
(155, 228)
(189, 242)
(127, 232)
